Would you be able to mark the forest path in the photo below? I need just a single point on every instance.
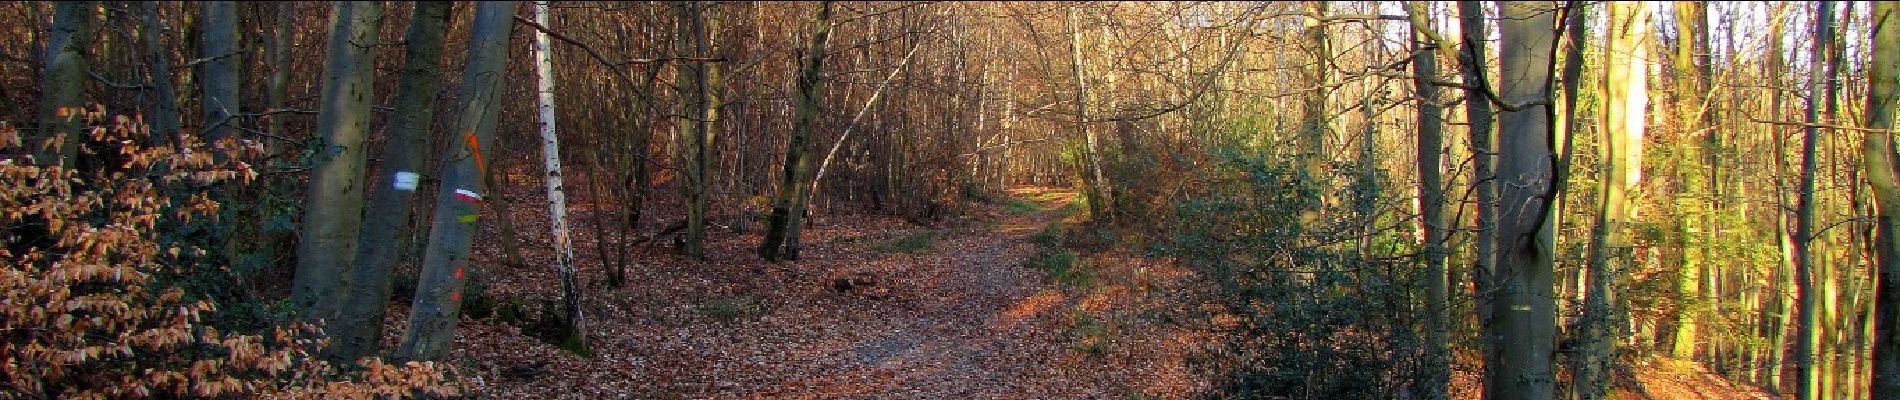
(877, 308)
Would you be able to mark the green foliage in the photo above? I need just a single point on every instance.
(1019, 206)
(914, 242)
(1051, 235)
(1089, 335)
(1063, 267)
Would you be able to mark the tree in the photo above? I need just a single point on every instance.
(358, 329)
(1808, 319)
(1520, 331)
(164, 96)
(218, 75)
(576, 334)
(1478, 123)
(1093, 182)
(333, 209)
(1883, 173)
(692, 137)
(63, 84)
(445, 262)
(788, 207)
(1431, 189)
(1625, 89)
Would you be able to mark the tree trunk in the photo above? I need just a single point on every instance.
(1314, 119)
(1808, 319)
(691, 133)
(1883, 172)
(219, 75)
(1478, 117)
(1521, 330)
(358, 330)
(788, 206)
(438, 301)
(1692, 99)
(63, 83)
(1436, 377)
(576, 336)
(164, 96)
(1625, 90)
(333, 213)
(1096, 184)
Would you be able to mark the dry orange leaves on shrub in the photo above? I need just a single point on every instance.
(88, 312)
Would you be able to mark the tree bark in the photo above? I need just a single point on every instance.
(63, 83)
(1479, 120)
(576, 335)
(1436, 377)
(1097, 184)
(1807, 326)
(438, 302)
(358, 329)
(1521, 330)
(164, 95)
(691, 134)
(218, 76)
(1883, 172)
(1692, 99)
(1625, 90)
(333, 213)
(781, 230)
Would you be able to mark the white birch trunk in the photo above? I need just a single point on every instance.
(557, 197)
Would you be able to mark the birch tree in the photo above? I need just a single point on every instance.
(576, 335)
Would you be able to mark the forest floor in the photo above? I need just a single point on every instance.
(878, 307)
(929, 312)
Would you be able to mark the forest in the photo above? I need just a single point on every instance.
(931, 199)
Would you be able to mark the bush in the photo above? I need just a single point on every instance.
(97, 268)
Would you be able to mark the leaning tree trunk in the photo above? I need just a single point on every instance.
(1520, 332)
(358, 329)
(164, 97)
(1436, 376)
(63, 83)
(1808, 319)
(576, 336)
(1883, 171)
(218, 75)
(333, 209)
(438, 302)
(1095, 184)
(788, 208)
(1625, 89)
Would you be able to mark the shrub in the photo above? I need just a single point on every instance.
(96, 277)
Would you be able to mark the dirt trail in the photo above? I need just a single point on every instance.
(960, 319)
